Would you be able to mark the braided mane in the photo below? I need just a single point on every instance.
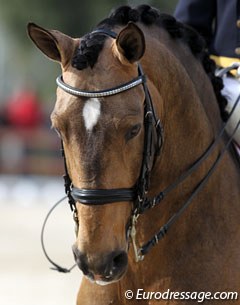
(91, 45)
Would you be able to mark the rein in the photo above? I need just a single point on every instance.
(138, 194)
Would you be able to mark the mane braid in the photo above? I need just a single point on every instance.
(86, 55)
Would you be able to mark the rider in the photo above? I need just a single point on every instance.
(218, 21)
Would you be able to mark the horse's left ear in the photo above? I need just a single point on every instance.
(131, 43)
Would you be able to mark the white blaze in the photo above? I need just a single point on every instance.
(91, 113)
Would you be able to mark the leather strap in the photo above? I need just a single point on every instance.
(102, 196)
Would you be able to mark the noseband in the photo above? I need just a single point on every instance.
(153, 139)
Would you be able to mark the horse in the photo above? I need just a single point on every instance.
(138, 111)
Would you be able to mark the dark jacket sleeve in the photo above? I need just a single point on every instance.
(217, 20)
(199, 14)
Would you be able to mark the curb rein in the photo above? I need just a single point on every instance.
(138, 194)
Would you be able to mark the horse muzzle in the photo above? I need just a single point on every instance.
(102, 270)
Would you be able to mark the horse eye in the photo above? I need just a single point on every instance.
(133, 132)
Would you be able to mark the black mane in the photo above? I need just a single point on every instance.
(91, 45)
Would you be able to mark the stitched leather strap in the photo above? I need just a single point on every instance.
(102, 196)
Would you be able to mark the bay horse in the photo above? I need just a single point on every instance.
(138, 114)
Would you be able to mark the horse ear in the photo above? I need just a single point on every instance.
(131, 42)
(53, 44)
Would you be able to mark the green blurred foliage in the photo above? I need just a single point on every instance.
(22, 62)
(73, 16)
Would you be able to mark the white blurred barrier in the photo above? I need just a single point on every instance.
(30, 190)
(25, 277)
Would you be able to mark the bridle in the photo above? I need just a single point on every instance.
(153, 133)
(153, 141)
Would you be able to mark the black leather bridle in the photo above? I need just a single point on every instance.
(153, 140)
(153, 133)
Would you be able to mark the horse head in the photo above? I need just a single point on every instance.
(103, 137)
(106, 114)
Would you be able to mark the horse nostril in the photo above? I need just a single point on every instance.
(80, 260)
(119, 261)
(104, 268)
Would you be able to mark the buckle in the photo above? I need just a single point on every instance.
(133, 232)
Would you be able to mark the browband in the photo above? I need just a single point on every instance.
(101, 93)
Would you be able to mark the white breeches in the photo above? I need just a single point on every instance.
(231, 91)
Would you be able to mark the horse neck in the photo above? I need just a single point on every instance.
(193, 67)
(187, 135)
(187, 129)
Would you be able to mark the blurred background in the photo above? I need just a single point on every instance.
(30, 162)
